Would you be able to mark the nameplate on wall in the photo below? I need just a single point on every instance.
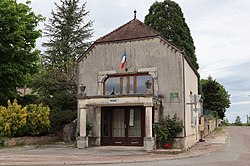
(113, 100)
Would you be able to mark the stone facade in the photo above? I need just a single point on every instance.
(174, 80)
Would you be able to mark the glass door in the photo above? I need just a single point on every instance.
(123, 126)
(136, 127)
(119, 126)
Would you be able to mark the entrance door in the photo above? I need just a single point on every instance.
(123, 126)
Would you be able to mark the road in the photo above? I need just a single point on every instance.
(236, 154)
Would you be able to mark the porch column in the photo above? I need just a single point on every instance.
(148, 139)
(98, 126)
(82, 140)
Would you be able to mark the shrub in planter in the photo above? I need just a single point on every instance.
(167, 129)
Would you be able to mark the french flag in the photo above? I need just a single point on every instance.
(123, 60)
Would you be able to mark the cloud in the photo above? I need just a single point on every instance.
(241, 103)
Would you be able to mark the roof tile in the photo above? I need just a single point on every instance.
(134, 29)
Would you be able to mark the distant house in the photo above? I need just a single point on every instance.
(123, 103)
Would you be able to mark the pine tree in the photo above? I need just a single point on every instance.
(167, 18)
(68, 36)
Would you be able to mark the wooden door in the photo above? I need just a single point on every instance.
(123, 126)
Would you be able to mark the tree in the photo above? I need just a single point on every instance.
(215, 96)
(167, 18)
(18, 59)
(68, 36)
(238, 120)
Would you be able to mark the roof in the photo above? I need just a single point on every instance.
(134, 29)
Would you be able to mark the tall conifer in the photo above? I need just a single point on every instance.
(68, 35)
(167, 18)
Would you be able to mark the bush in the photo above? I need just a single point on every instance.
(38, 122)
(12, 119)
(30, 120)
(89, 127)
(167, 129)
(60, 118)
(27, 99)
(1, 139)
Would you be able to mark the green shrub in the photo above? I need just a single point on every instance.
(30, 120)
(27, 99)
(60, 118)
(167, 129)
(12, 119)
(1, 139)
(89, 127)
(38, 122)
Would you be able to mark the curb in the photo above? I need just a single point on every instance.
(214, 147)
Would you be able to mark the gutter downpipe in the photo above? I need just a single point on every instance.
(184, 103)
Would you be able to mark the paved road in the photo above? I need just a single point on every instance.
(236, 154)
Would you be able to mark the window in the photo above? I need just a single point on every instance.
(141, 86)
(112, 86)
(128, 84)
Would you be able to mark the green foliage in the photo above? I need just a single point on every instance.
(60, 118)
(12, 119)
(18, 31)
(225, 122)
(215, 96)
(37, 122)
(89, 127)
(237, 121)
(30, 120)
(1, 139)
(167, 18)
(209, 114)
(68, 33)
(167, 129)
(27, 99)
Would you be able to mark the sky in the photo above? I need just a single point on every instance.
(220, 30)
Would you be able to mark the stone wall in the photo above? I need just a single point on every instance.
(30, 140)
(210, 126)
(69, 131)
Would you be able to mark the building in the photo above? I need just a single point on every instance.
(124, 103)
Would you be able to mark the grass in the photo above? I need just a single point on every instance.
(219, 130)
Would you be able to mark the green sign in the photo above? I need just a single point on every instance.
(174, 95)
